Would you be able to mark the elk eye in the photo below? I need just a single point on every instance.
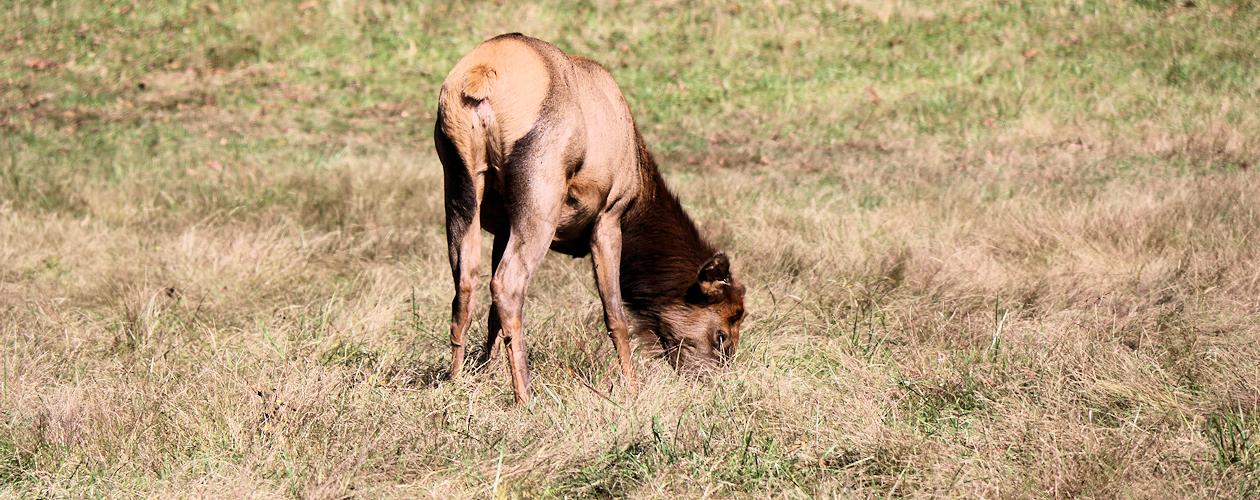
(721, 338)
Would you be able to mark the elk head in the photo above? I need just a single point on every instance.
(702, 329)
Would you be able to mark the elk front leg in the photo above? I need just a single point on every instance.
(606, 258)
(491, 350)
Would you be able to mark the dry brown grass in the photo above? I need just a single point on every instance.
(233, 283)
(1049, 342)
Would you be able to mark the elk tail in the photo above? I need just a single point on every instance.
(470, 119)
(479, 82)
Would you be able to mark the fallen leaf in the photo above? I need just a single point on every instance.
(39, 64)
(307, 5)
(1030, 53)
(214, 165)
(873, 95)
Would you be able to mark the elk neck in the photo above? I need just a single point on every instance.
(661, 248)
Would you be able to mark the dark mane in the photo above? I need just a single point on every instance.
(662, 251)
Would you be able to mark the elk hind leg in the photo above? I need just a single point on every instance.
(537, 188)
(464, 189)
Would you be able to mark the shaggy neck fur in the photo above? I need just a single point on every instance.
(662, 250)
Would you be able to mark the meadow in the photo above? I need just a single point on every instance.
(992, 248)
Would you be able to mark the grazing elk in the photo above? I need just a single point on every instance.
(539, 148)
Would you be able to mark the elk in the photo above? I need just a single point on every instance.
(539, 148)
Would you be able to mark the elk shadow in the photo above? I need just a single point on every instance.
(429, 372)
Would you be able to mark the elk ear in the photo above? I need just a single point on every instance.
(712, 280)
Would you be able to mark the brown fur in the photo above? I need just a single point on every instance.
(539, 148)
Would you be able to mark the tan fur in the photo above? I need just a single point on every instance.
(540, 149)
(479, 82)
(516, 100)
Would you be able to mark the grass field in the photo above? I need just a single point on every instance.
(1000, 249)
